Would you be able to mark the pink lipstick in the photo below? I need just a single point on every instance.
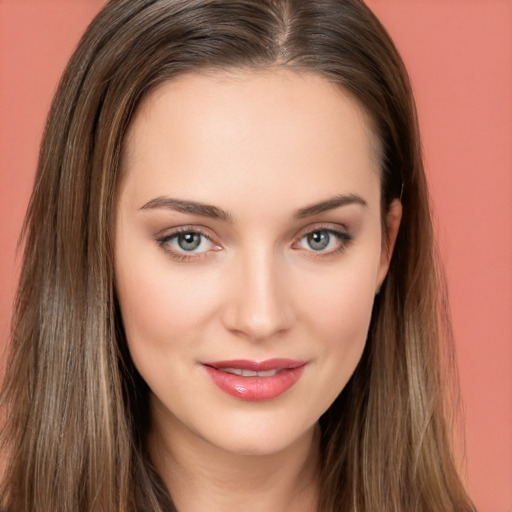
(255, 381)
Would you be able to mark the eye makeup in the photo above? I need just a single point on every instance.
(323, 241)
(188, 243)
(191, 243)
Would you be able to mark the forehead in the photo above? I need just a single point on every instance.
(255, 130)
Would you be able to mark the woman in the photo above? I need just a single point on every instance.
(229, 294)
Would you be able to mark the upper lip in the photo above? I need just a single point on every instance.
(257, 366)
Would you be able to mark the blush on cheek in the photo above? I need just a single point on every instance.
(343, 312)
(344, 299)
(159, 305)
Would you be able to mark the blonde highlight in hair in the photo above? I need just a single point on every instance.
(76, 408)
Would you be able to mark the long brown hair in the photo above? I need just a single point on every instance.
(75, 407)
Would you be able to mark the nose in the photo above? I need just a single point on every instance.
(260, 304)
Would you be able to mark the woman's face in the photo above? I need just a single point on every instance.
(248, 252)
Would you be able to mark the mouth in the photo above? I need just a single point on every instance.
(250, 373)
(255, 381)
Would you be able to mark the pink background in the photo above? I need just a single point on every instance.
(459, 54)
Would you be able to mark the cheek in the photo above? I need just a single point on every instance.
(341, 301)
(348, 308)
(159, 305)
(339, 316)
(345, 333)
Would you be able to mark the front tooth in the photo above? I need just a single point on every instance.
(249, 373)
(267, 373)
(235, 371)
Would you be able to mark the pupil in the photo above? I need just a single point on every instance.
(189, 241)
(318, 240)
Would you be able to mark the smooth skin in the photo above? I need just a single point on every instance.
(248, 227)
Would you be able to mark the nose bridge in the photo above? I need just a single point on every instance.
(260, 305)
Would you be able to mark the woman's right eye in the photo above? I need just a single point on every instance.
(187, 243)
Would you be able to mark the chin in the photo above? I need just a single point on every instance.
(258, 436)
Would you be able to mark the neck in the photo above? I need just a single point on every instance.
(201, 476)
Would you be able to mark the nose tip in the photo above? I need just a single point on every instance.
(257, 325)
(260, 306)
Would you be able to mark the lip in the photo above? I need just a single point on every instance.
(255, 388)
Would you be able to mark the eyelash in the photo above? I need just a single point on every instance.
(344, 239)
(185, 255)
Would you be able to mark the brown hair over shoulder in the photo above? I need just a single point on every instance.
(75, 407)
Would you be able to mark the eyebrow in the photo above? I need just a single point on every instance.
(192, 207)
(213, 212)
(330, 204)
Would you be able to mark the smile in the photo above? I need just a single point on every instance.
(255, 381)
(249, 373)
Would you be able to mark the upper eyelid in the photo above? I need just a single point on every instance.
(336, 232)
(325, 226)
(170, 232)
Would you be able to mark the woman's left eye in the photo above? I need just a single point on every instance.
(324, 241)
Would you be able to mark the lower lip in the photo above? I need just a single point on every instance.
(255, 389)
